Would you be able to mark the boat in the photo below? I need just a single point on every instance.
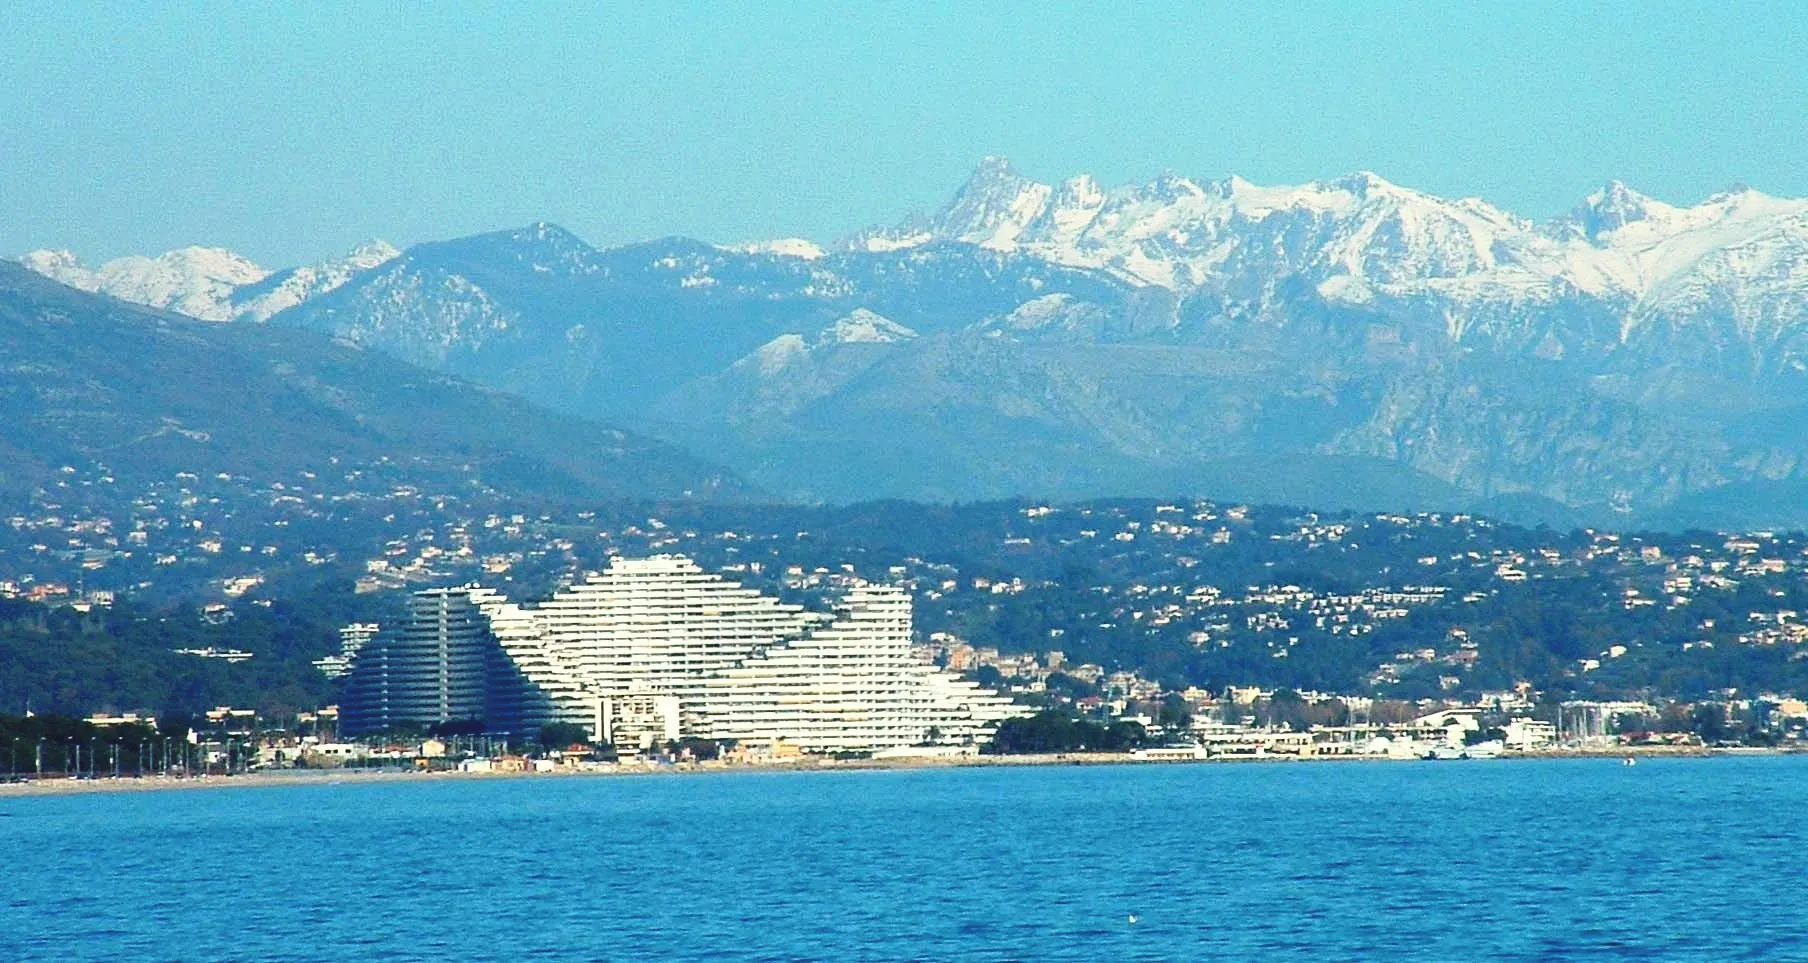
(1491, 749)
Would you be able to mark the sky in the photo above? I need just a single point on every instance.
(291, 133)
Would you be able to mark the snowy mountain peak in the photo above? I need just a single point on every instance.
(216, 260)
(370, 254)
(992, 208)
(196, 281)
(993, 165)
(1078, 191)
(1172, 188)
(1233, 185)
(777, 354)
(861, 326)
(1611, 208)
(60, 265)
(1071, 208)
(1364, 183)
(209, 283)
(782, 247)
(286, 289)
(992, 181)
(545, 234)
(1354, 238)
(542, 247)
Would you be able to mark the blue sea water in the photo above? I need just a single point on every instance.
(1502, 860)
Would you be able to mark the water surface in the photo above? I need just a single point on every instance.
(1511, 860)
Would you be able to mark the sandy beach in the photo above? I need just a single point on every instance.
(57, 786)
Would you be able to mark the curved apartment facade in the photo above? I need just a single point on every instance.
(647, 637)
(437, 664)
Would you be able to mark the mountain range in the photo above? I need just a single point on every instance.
(120, 398)
(1345, 343)
(209, 283)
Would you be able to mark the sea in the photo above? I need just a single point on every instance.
(1570, 859)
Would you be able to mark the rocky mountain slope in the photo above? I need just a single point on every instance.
(1347, 342)
(196, 281)
(209, 283)
(95, 388)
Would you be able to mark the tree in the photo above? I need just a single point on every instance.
(1478, 736)
(1073, 688)
(558, 735)
(1122, 736)
(175, 725)
(1053, 730)
(1710, 722)
(1048, 731)
(1174, 714)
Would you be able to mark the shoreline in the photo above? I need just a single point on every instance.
(64, 786)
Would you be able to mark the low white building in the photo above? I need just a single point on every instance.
(1524, 734)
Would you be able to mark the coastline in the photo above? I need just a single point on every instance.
(61, 786)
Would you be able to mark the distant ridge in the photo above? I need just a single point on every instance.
(146, 395)
(1623, 363)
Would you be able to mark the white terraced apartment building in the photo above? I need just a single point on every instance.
(852, 683)
(739, 664)
(662, 624)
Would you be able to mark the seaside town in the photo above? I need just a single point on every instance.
(1129, 629)
(725, 483)
(1138, 721)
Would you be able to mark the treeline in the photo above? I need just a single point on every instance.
(122, 658)
(1087, 592)
(1055, 731)
(46, 745)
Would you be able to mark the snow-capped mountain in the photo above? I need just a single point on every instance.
(787, 246)
(1359, 238)
(209, 283)
(196, 281)
(1347, 341)
(792, 371)
(285, 289)
(538, 312)
(861, 327)
(1179, 233)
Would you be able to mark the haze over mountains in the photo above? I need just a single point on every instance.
(209, 283)
(122, 398)
(1342, 343)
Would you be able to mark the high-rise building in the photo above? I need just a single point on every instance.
(351, 638)
(648, 637)
(434, 665)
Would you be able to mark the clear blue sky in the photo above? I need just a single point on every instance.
(290, 133)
